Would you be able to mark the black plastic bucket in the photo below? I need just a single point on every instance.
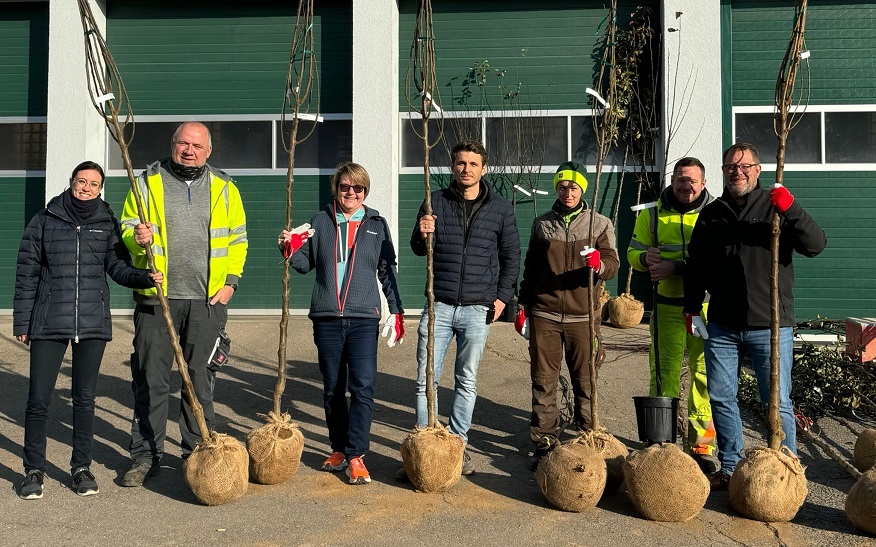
(510, 311)
(656, 417)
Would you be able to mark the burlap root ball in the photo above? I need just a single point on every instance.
(768, 485)
(433, 458)
(602, 307)
(665, 484)
(572, 477)
(861, 502)
(274, 450)
(865, 450)
(612, 451)
(625, 311)
(217, 470)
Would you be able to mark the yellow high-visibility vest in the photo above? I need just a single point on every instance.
(228, 240)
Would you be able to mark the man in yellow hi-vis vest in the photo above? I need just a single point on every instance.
(659, 247)
(196, 228)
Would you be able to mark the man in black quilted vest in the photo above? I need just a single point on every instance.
(476, 262)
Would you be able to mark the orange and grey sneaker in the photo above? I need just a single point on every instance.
(335, 462)
(357, 472)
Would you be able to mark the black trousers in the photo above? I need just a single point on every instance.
(197, 323)
(45, 363)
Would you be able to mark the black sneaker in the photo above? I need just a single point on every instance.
(708, 464)
(544, 446)
(139, 472)
(32, 487)
(467, 464)
(401, 475)
(720, 481)
(84, 483)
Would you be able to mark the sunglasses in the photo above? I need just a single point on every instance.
(344, 188)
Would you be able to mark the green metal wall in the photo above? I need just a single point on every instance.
(24, 62)
(231, 58)
(840, 34)
(22, 198)
(24, 43)
(264, 202)
(545, 45)
(839, 282)
(553, 71)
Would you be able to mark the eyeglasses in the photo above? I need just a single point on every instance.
(82, 182)
(731, 168)
(344, 188)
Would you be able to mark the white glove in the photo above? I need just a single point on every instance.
(394, 328)
(289, 242)
(591, 258)
(696, 326)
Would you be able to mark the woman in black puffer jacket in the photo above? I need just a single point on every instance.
(61, 295)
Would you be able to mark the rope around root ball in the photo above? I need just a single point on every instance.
(432, 458)
(217, 470)
(274, 449)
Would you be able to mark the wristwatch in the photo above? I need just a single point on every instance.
(232, 285)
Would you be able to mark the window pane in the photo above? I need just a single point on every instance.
(804, 141)
(584, 145)
(850, 137)
(526, 141)
(236, 145)
(241, 145)
(330, 144)
(24, 146)
(455, 130)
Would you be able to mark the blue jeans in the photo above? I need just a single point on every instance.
(347, 353)
(724, 350)
(469, 325)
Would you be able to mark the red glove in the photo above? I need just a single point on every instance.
(289, 242)
(591, 258)
(394, 327)
(695, 326)
(781, 198)
(521, 323)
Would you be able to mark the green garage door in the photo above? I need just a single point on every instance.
(516, 60)
(834, 146)
(24, 41)
(231, 60)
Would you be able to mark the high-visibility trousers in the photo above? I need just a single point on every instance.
(673, 340)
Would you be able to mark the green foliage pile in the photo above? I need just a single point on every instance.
(824, 379)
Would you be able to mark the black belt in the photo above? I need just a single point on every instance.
(670, 301)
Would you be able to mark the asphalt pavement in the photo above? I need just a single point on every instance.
(499, 505)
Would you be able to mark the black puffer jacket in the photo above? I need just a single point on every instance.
(476, 260)
(61, 291)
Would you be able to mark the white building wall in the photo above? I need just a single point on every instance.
(75, 131)
(375, 103)
(692, 86)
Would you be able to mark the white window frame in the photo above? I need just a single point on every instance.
(5, 120)
(275, 169)
(405, 117)
(819, 109)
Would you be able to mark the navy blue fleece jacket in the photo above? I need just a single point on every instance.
(372, 253)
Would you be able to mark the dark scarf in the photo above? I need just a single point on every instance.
(684, 207)
(564, 211)
(80, 211)
(186, 172)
